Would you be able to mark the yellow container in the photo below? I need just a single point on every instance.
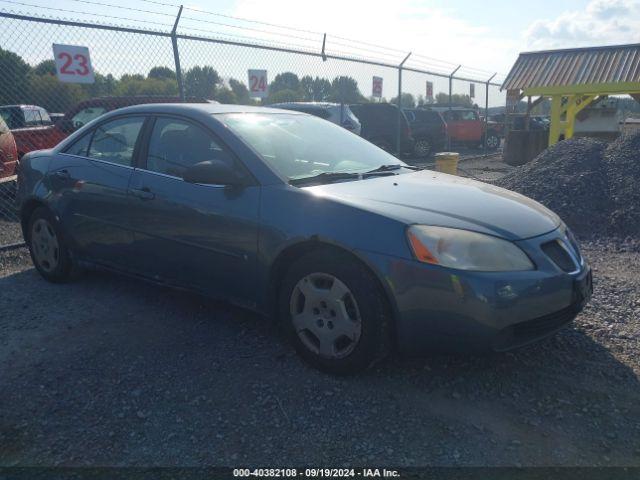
(447, 162)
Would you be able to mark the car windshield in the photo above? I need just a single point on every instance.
(301, 146)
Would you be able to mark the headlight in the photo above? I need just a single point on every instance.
(465, 250)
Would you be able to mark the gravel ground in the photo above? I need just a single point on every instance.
(112, 371)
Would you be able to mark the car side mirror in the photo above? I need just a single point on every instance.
(212, 172)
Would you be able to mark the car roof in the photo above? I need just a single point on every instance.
(206, 108)
(305, 104)
(20, 106)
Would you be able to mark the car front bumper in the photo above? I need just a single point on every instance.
(440, 309)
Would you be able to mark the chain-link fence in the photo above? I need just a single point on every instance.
(133, 65)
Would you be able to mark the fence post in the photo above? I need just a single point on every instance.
(486, 113)
(176, 55)
(450, 105)
(399, 132)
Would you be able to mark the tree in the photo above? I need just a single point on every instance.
(162, 73)
(226, 95)
(104, 85)
(240, 91)
(345, 90)
(14, 74)
(46, 67)
(407, 101)
(53, 95)
(459, 100)
(284, 96)
(201, 82)
(284, 81)
(315, 89)
(131, 85)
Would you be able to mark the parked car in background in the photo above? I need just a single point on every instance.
(465, 127)
(31, 127)
(88, 110)
(380, 126)
(340, 114)
(55, 117)
(353, 251)
(8, 151)
(518, 121)
(429, 130)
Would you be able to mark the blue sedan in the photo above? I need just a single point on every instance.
(354, 252)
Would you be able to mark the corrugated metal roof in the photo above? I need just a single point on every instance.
(613, 64)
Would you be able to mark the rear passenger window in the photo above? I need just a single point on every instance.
(114, 141)
(176, 145)
(31, 118)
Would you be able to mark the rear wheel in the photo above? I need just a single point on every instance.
(334, 312)
(49, 252)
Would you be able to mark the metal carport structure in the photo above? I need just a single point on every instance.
(572, 79)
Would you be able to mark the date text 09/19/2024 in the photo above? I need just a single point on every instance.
(315, 473)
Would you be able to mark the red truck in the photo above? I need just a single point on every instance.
(467, 128)
(31, 127)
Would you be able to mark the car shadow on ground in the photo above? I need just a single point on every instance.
(115, 371)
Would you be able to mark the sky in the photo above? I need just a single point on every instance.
(483, 36)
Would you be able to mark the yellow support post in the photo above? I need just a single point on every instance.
(556, 128)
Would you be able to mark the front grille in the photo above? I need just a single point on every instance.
(523, 333)
(559, 254)
(542, 325)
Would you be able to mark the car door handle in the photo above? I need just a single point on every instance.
(143, 193)
(63, 174)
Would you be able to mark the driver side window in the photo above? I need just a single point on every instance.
(176, 145)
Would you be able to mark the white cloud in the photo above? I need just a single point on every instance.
(602, 22)
(407, 25)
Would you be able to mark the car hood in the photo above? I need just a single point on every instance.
(431, 198)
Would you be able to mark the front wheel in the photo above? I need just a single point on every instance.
(47, 247)
(334, 312)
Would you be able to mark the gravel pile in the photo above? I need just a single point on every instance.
(568, 178)
(591, 185)
(622, 163)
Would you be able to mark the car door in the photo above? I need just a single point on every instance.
(91, 178)
(455, 125)
(472, 125)
(197, 236)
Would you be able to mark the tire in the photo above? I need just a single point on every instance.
(49, 252)
(342, 325)
(492, 141)
(422, 148)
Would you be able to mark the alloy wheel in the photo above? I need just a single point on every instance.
(325, 315)
(422, 148)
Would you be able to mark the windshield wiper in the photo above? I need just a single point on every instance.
(325, 177)
(392, 166)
